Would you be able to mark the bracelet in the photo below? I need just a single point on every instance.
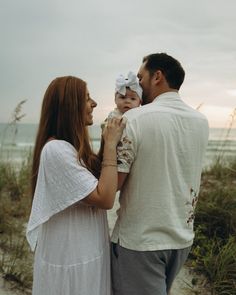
(109, 164)
(109, 160)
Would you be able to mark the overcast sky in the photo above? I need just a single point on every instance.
(98, 40)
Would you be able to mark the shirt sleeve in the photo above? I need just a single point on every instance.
(127, 148)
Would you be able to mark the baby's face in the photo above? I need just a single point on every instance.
(128, 101)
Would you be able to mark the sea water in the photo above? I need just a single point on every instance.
(17, 141)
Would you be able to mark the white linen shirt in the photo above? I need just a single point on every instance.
(162, 149)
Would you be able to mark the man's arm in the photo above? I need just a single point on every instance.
(121, 179)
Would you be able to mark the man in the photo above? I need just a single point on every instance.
(160, 160)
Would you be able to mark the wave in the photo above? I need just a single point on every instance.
(213, 145)
(20, 145)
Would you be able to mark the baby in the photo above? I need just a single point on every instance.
(128, 95)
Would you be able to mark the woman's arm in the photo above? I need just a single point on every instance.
(104, 194)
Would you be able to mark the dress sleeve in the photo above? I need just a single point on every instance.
(127, 148)
(62, 181)
(63, 175)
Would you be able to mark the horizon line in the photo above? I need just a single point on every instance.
(98, 124)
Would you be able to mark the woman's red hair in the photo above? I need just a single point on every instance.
(63, 117)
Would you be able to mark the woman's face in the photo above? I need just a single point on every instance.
(90, 105)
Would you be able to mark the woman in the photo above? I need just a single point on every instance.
(68, 224)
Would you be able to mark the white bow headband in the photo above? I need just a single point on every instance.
(131, 81)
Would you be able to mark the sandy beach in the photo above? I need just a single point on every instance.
(182, 285)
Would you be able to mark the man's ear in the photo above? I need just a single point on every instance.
(158, 76)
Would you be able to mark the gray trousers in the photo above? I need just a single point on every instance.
(145, 272)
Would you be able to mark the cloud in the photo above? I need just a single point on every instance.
(98, 40)
(218, 116)
(231, 92)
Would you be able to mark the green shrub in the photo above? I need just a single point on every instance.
(15, 255)
(214, 250)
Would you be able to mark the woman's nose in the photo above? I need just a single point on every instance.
(94, 104)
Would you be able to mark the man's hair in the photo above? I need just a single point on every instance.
(170, 67)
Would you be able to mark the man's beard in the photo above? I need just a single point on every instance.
(144, 100)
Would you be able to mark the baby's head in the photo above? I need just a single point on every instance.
(128, 92)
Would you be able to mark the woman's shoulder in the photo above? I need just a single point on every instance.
(55, 144)
(56, 148)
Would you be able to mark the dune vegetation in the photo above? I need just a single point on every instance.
(213, 253)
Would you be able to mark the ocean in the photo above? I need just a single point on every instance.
(17, 141)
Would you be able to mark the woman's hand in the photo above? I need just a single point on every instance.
(104, 194)
(113, 130)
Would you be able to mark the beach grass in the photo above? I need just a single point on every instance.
(214, 251)
(15, 255)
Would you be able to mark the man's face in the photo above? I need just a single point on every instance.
(145, 82)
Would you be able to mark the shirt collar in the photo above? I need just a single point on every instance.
(167, 96)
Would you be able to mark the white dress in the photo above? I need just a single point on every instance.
(72, 254)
